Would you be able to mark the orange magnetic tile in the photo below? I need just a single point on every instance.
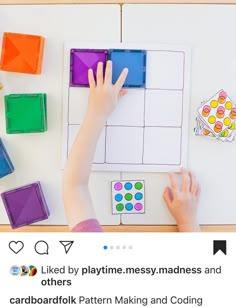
(22, 53)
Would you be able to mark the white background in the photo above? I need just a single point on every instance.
(153, 249)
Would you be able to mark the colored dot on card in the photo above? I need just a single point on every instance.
(138, 185)
(221, 99)
(138, 196)
(128, 186)
(118, 186)
(118, 197)
(129, 206)
(119, 207)
(207, 108)
(228, 105)
(1, 86)
(221, 109)
(128, 197)
(232, 126)
(206, 131)
(138, 206)
(227, 121)
(214, 103)
(233, 113)
(211, 119)
(225, 133)
(223, 94)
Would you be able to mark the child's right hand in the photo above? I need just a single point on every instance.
(183, 202)
(103, 94)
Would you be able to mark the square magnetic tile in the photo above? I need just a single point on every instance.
(22, 53)
(25, 205)
(134, 60)
(163, 108)
(80, 62)
(124, 145)
(128, 197)
(26, 113)
(162, 146)
(129, 110)
(78, 103)
(6, 166)
(99, 156)
(165, 70)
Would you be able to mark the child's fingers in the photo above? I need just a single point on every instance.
(100, 74)
(122, 93)
(121, 80)
(193, 183)
(185, 181)
(167, 196)
(92, 83)
(172, 182)
(108, 73)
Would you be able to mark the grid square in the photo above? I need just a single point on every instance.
(165, 70)
(6, 166)
(124, 145)
(26, 113)
(25, 205)
(80, 62)
(22, 53)
(163, 108)
(99, 156)
(78, 103)
(167, 149)
(129, 110)
(134, 60)
(128, 197)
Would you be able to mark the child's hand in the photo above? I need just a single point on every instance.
(103, 94)
(183, 202)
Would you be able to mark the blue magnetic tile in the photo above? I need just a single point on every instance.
(134, 60)
(6, 166)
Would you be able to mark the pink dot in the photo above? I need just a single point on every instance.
(207, 108)
(218, 124)
(138, 206)
(223, 94)
(221, 109)
(118, 186)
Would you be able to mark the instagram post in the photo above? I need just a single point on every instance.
(117, 138)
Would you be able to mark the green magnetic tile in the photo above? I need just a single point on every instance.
(26, 113)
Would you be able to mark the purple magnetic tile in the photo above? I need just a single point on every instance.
(83, 59)
(25, 205)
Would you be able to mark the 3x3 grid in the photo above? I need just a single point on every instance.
(152, 110)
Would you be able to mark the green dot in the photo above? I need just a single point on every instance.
(119, 207)
(128, 197)
(138, 185)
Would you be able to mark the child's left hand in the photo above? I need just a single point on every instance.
(103, 94)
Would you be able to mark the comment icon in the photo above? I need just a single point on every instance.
(41, 248)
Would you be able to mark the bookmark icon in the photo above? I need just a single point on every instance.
(219, 246)
(67, 245)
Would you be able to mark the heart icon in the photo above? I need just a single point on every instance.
(16, 247)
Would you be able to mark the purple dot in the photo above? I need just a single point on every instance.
(138, 206)
(118, 186)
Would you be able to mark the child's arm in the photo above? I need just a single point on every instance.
(103, 97)
(183, 202)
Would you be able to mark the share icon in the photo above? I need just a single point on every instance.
(67, 245)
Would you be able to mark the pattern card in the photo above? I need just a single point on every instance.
(219, 114)
(128, 197)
